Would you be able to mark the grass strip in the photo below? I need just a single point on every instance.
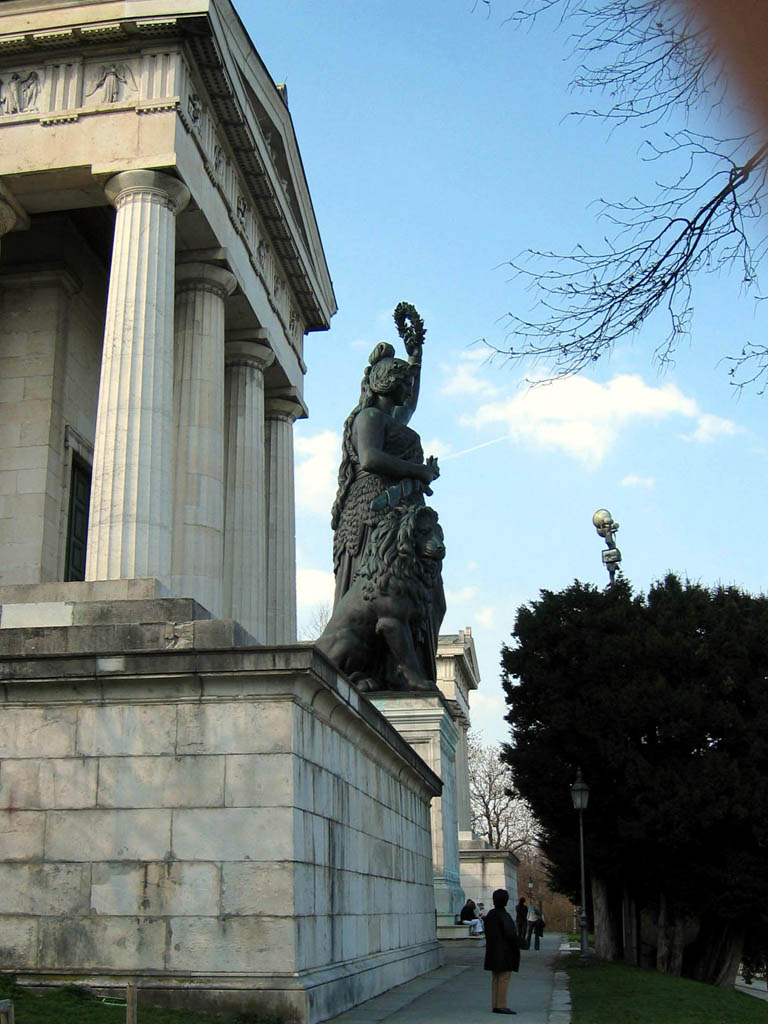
(605, 993)
(72, 1005)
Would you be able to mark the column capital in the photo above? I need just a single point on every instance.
(166, 189)
(248, 348)
(207, 276)
(285, 404)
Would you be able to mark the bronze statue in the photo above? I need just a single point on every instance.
(384, 627)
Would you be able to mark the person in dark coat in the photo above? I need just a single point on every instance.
(521, 916)
(502, 950)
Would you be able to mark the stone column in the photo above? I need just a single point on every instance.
(245, 537)
(129, 532)
(198, 403)
(463, 803)
(282, 409)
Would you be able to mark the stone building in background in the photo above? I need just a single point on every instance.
(478, 868)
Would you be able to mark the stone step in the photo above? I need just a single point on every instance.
(78, 591)
(22, 615)
(124, 637)
(453, 931)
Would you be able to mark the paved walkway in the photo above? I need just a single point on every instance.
(460, 991)
(758, 988)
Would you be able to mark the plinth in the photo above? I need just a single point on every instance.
(425, 721)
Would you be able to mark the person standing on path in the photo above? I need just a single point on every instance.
(502, 950)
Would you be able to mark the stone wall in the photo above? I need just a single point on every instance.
(235, 829)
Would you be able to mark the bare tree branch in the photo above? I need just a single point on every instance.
(317, 622)
(650, 61)
(593, 300)
(499, 814)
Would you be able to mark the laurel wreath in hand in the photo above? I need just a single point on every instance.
(410, 326)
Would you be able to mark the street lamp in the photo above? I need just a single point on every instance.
(580, 797)
(606, 527)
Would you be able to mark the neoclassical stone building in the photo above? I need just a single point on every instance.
(161, 265)
(190, 802)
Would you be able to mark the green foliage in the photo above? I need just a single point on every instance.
(73, 1005)
(662, 702)
(605, 993)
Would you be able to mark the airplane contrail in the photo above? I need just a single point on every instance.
(474, 448)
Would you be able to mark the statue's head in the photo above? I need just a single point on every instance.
(385, 371)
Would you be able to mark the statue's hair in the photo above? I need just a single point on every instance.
(391, 564)
(381, 375)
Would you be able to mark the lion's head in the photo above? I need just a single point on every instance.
(404, 556)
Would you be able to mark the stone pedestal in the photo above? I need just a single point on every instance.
(245, 535)
(129, 531)
(229, 827)
(484, 869)
(426, 723)
(198, 491)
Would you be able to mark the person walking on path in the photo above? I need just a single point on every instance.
(538, 928)
(502, 951)
(533, 920)
(521, 917)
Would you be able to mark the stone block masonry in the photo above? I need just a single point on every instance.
(235, 829)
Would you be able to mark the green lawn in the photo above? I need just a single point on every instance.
(75, 1006)
(604, 993)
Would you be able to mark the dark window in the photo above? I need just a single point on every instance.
(77, 526)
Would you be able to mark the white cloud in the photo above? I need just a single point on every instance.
(317, 464)
(485, 616)
(487, 712)
(633, 480)
(434, 446)
(314, 587)
(472, 565)
(583, 419)
(464, 379)
(486, 702)
(465, 594)
(709, 427)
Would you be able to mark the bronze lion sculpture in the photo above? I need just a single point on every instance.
(383, 632)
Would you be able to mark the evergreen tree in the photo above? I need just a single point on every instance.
(662, 702)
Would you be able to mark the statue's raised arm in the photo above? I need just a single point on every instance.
(411, 329)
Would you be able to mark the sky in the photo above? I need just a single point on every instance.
(437, 146)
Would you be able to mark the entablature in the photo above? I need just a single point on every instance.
(101, 60)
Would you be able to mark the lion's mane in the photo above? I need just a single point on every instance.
(391, 564)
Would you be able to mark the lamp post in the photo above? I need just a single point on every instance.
(606, 527)
(580, 797)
